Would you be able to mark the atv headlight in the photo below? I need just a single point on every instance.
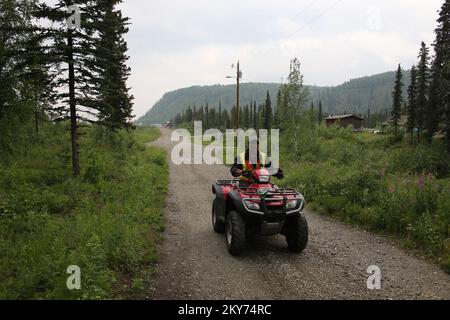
(252, 205)
(291, 205)
(264, 179)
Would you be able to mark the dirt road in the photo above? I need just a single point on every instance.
(195, 263)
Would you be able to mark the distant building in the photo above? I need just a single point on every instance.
(344, 121)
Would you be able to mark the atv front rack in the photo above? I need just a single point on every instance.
(280, 195)
(226, 182)
(273, 193)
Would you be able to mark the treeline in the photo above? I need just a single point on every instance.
(428, 94)
(62, 62)
(253, 115)
(264, 115)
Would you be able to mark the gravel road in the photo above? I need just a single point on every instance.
(195, 263)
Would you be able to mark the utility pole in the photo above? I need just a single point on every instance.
(238, 78)
(238, 116)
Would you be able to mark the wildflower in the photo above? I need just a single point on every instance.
(421, 183)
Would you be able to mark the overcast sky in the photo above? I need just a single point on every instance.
(179, 43)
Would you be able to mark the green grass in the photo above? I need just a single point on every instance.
(368, 180)
(146, 134)
(107, 222)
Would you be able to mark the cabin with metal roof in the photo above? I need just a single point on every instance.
(344, 121)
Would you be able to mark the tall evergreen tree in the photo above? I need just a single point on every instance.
(439, 89)
(276, 117)
(255, 117)
(268, 113)
(25, 90)
(111, 58)
(423, 78)
(397, 100)
(412, 103)
(71, 52)
(320, 115)
(206, 118)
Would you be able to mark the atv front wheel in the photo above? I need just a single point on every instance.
(218, 226)
(235, 233)
(297, 235)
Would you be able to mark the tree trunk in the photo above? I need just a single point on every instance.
(36, 122)
(73, 110)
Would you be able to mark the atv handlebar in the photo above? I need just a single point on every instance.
(279, 174)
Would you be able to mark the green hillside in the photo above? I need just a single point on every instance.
(356, 95)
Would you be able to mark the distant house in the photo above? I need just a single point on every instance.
(344, 121)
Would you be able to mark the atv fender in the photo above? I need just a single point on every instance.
(234, 202)
(218, 191)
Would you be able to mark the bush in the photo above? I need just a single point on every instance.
(385, 186)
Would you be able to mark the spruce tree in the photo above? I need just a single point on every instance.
(397, 100)
(25, 90)
(111, 58)
(255, 117)
(70, 51)
(320, 115)
(268, 113)
(423, 78)
(439, 89)
(412, 103)
(276, 119)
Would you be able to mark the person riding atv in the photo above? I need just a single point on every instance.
(251, 204)
(244, 163)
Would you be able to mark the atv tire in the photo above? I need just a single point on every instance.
(218, 226)
(297, 235)
(235, 233)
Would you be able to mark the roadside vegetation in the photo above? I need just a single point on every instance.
(106, 221)
(365, 180)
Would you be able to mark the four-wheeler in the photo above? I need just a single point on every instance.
(258, 206)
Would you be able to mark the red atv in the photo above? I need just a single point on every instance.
(259, 207)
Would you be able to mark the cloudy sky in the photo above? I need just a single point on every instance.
(179, 43)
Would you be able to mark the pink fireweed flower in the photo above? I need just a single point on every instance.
(421, 184)
(382, 173)
(391, 189)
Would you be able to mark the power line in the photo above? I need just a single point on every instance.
(304, 9)
(322, 13)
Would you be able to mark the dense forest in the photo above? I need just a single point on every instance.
(361, 96)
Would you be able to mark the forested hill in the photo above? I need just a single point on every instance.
(356, 95)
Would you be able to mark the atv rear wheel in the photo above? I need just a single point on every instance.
(218, 226)
(235, 233)
(297, 235)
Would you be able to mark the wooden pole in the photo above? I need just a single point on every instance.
(238, 76)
